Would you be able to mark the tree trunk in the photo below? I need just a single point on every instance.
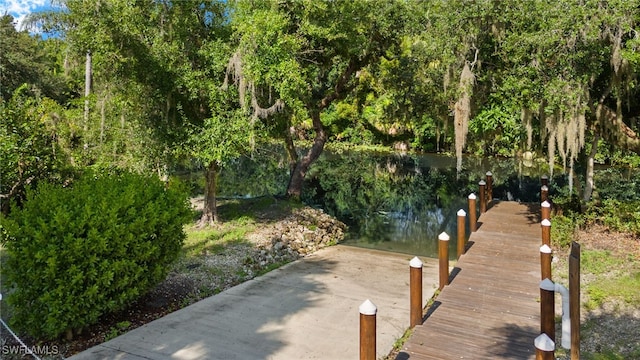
(590, 184)
(294, 189)
(87, 92)
(210, 211)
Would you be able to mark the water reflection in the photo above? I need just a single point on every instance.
(391, 202)
(401, 203)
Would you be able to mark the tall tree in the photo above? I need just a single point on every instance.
(308, 54)
(175, 53)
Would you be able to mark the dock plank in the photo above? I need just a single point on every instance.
(490, 310)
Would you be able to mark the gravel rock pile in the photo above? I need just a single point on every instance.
(302, 232)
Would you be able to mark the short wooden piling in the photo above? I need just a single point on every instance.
(547, 308)
(545, 262)
(546, 232)
(483, 197)
(544, 180)
(462, 232)
(443, 257)
(472, 213)
(544, 193)
(545, 347)
(545, 210)
(489, 181)
(574, 299)
(368, 330)
(415, 285)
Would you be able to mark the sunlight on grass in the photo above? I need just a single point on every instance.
(213, 240)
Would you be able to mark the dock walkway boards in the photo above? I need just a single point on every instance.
(490, 310)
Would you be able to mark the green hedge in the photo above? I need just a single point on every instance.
(79, 252)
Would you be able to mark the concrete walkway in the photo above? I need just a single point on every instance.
(304, 310)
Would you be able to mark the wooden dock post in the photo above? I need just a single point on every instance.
(443, 256)
(547, 308)
(368, 330)
(545, 210)
(461, 232)
(544, 180)
(483, 197)
(489, 181)
(415, 285)
(544, 193)
(574, 299)
(545, 262)
(546, 232)
(545, 347)
(472, 213)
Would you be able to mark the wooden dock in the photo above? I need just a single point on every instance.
(491, 308)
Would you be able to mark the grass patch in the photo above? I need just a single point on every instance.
(599, 262)
(625, 288)
(213, 241)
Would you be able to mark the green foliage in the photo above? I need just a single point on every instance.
(29, 149)
(25, 59)
(618, 184)
(617, 215)
(563, 231)
(78, 252)
(497, 130)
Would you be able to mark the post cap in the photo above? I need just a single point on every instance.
(545, 204)
(415, 262)
(482, 183)
(545, 249)
(545, 222)
(544, 343)
(544, 177)
(368, 308)
(472, 196)
(548, 285)
(443, 236)
(489, 173)
(461, 213)
(544, 188)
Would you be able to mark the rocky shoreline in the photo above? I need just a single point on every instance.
(302, 232)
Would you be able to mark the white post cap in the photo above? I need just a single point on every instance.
(472, 196)
(482, 182)
(443, 236)
(489, 173)
(544, 188)
(545, 249)
(415, 262)
(544, 343)
(545, 222)
(462, 213)
(368, 308)
(545, 204)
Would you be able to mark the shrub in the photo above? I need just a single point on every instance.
(77, 253)
(615, 214)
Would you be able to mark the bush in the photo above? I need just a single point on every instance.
(615, 214)
(77, 253)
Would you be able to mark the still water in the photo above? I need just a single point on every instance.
(392, 202)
